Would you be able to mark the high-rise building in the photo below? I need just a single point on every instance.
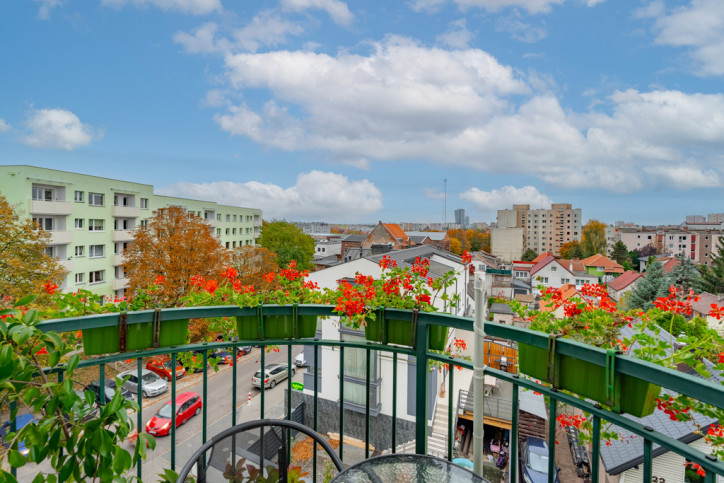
(715, 218)
(544, 230)
(460, 217)
(695, 219)
(91, 220)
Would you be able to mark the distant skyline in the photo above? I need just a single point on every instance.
(354, 112)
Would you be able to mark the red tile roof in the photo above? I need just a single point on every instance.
(568, 290)
(396, 232)
(541, 263)
(542, 256)
(609, 266)
(670, 264)
(624, 280)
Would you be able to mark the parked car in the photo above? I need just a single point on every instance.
(273, 374)
(534, 461)
(110, 390)
(188, 404)
(21, 421)
(162, 366)
(244, 350)
(90, 410)
(299, 361)
(151, 384)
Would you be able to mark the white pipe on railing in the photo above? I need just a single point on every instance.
(481, 308)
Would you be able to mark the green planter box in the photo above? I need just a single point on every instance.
(276, 327)
(106, 340)
(400, 332)
(638, 397)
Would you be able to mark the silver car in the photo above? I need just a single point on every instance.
(274, 373)
(151, 384)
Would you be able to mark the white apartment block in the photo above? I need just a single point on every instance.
(544, 230)
(91, 220)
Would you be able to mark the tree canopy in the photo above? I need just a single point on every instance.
(685, 275)
(649, 288)
(619, 253)
(176, 245)
(593, 240)
(25, 267)
(571, 249)
(289, 243)
(529, 255)
(252, 263)
(712, 278)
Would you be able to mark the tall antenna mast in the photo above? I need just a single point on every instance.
(444, 205)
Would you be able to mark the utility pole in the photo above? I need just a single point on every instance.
(444, 205)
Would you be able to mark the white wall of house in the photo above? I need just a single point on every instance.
(326, 248)
(330, 356)
(617, 295)
(667, 467)
(556, 275)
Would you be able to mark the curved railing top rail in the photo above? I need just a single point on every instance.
(696, 387)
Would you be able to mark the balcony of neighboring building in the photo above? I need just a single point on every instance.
(122, 235)
(126, 211)
(67, 265)
(38, 207)
(117, 260)
(60, 237)
(120, 283)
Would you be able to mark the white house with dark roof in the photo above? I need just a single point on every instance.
(554, 272)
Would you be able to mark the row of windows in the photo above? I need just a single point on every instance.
(241, 243)
(248, 231)
(96, 276)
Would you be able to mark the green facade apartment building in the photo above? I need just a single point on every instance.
(91, 220)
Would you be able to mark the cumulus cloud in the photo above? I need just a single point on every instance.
(686, 176)
(458, 37)
(4, 126)
(193, 7)
(505, 197)
(520, 30)
(57, 129)
(46, 6)
(698, 27)
(336, 9)
(315, 195)
(531, 6)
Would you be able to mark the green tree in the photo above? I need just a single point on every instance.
(685, 275)
(529, 255)
(712, 278)
(619, 253)
(289, 243)
(24, 265)
(649, 288)
(571, 249)
(593, 240)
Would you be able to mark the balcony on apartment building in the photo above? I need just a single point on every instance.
(119, 211)
(120, 283)
(117, 259)
(359, 435)
(122, 235)
(60, 237)
(55, 207)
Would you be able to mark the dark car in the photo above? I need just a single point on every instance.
(110, 391)
(534, 461)
(20, 421)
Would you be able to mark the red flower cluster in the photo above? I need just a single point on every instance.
(230, 273)
(460, 344)
(159, 280)
(699, 470)
(211, 286)
(386, 262)
(292, 273)
(50, 287)
(467, 257)
(196, 281)
(669, 407)
(421, 266)
(677, 303)
(716, 311)
(571, 420)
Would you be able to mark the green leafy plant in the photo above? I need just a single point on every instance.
(80, 445)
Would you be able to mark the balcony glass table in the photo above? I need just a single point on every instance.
(406, 468)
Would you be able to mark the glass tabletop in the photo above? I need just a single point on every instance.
(407, 468)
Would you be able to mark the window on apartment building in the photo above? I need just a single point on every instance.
(95, 251)
(50, 251)
(228, 231)
(218, 232)
(79, 277)
(79, 223)
(233, 231)
(96, 276)
(95, 224)
(144, 203)
(44, 223)
(228, 217)
(144, 223)
(79, 250)
(79, 197)
(43, 194)
(95, 199)
(218, 217)
(234, 218)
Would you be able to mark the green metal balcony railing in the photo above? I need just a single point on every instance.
(679, 382)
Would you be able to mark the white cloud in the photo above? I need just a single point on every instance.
(698, 26)
(458, 37)
(336, 9)
(652, 10)
(202, 41)
(315, 195)
(46, 6)
(505, 197)
(519, 30)
(193, 7)
(403, 101)
(57, 129)
(685, 176)
(531, 6)
(4, 126)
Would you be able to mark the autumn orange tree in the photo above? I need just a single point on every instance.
(571, 249)
(25, 268)
(594, 238)
(175, 246)
(459, 241)
(252, 264)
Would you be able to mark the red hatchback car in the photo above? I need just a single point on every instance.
(162, 367)
(187, 404)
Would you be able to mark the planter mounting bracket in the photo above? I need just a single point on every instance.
(553, 372)
(122, 331)
(156, 327)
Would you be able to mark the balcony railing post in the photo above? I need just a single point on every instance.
(421, 346)
(479, 371)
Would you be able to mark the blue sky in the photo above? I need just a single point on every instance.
(357, 111)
